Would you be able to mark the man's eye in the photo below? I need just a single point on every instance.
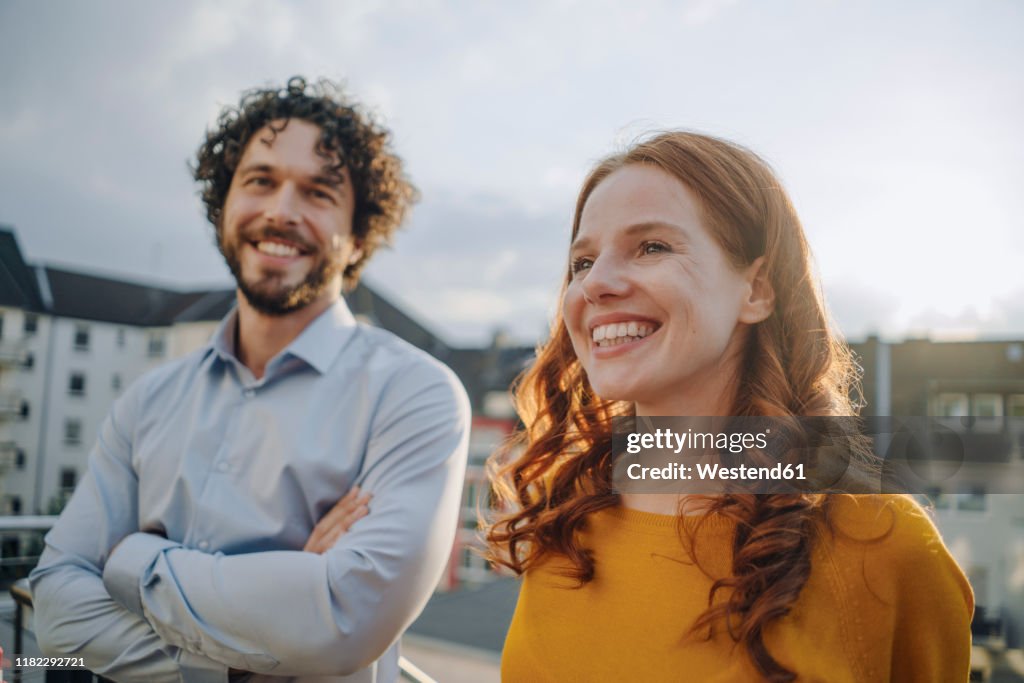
(259, 181)
(321, 194)
(581, 263)
(653, 247)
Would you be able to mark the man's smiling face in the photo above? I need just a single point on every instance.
(286, 231)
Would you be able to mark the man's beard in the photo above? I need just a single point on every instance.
(269, 295)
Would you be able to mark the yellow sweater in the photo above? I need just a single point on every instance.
(885, 601)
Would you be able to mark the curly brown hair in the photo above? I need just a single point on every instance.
(383, 193)
(558, 470)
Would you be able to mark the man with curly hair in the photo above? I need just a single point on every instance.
(281, 502)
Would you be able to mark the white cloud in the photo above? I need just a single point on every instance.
(701, 12)
(23, 124)
(901, 147)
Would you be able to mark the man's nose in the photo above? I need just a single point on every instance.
(283, 205)
(606, 278)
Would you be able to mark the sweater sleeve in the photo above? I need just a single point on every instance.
(916, 589)
(933, 630)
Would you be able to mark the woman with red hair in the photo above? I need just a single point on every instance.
(690, 292)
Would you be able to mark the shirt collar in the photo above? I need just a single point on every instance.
(322, 340)
(318, 345)
(222, 343)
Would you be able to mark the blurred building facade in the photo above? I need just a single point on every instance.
(951, 381)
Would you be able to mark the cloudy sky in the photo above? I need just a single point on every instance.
(896, 127)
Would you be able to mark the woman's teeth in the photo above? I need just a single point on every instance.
(277, 249)
(620, 333)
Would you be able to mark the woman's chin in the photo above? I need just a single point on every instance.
(617, 390)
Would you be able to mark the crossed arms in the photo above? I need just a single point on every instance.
(152, 609)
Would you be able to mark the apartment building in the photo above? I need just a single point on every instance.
(72, 342)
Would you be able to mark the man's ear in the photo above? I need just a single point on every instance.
(357, 251)
(760, 301)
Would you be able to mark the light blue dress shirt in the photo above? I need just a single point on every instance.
(236, 472)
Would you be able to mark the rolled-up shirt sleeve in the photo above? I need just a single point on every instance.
(296, 613)
(74, 613)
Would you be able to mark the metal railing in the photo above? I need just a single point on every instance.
(10, 404)
(8, 455)
(27, 522)
(13, 354)
(23, 599)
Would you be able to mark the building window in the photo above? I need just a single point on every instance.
(19, 459)
(115, 382)
(72, 432)
(120, 337)
(15, 505)
(498, 404)
(1015, 353)
(81, 337)
(68, 479)
(1015, 405)
(29, 361)
(975, 501)
(987, 405)
(935, 496)
(156, 345)
(76, 384)
(1, 327)
(950, 405)
(24, 411)
(31, 324)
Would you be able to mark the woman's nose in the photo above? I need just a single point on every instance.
(606, 278)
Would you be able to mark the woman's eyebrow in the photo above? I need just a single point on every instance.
(579, 244)
(583, 243)
(653, 226)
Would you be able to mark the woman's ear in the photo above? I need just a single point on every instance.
(760, 301)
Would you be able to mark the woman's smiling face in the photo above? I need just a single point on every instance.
(655, 309)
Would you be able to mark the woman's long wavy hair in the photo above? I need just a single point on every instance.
(792, 365)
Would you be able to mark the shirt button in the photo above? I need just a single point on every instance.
(203, 545)
(222, 466)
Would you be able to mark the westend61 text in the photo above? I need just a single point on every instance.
(713, 471)
(666, 439)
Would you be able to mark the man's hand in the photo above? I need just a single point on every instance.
(346, 512)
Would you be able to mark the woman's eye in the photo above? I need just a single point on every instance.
(581, 263)
(653, 247)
